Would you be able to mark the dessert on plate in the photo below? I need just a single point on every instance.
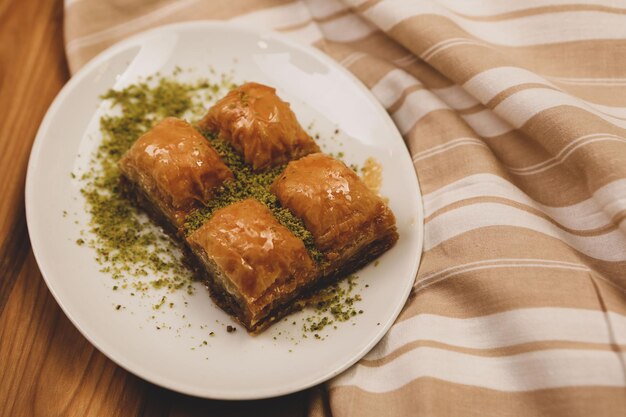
(257, 265)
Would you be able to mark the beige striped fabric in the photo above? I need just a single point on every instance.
(515, 115)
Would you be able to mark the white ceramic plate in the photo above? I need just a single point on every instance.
(235, 365)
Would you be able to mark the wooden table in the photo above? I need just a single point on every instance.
(47, 368)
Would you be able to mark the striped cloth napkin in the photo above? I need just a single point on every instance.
(514, 113)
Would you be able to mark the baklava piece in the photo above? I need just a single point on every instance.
(171, 170)
(256, 268)
(351, 225)
(259, 125)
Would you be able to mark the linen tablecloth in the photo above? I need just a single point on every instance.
(514, 113)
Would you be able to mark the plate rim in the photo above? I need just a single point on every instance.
(129, 365)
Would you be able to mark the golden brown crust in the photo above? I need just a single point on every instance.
(260, 125)
(253, 257)
(335, 205)
(175, 167)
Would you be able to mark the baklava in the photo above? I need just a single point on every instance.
(255, 265)
(261, 257)
(259, 125)
(172, 170)
(351, 225)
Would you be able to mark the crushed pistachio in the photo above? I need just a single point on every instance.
(158, 305)
(125, 242)
(332, 304)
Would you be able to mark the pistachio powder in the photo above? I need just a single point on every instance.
(125, 243)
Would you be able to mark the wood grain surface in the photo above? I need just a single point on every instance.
(47, 368)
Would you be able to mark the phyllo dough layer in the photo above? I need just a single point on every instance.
(259, 125)
(254, 263)
(349, 222)
(174, 169)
